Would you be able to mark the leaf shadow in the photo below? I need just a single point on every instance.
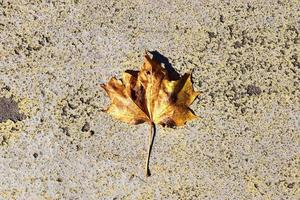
(173, 75)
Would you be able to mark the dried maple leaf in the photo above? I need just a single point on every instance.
(151, 95)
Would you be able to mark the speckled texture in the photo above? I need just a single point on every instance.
(245, 56)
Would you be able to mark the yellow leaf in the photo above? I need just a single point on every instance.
(151, 95)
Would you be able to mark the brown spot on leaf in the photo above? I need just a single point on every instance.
(168, 122)
(173, 98)
(133, 95)
(138, 121)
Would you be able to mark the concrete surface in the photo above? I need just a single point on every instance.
(246, 63)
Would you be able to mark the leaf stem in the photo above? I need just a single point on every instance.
(151, 141)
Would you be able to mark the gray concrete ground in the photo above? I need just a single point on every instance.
(57, 144)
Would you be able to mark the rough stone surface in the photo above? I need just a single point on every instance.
(55, 54)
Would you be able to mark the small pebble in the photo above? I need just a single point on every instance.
(86, 127)
(35, 155)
